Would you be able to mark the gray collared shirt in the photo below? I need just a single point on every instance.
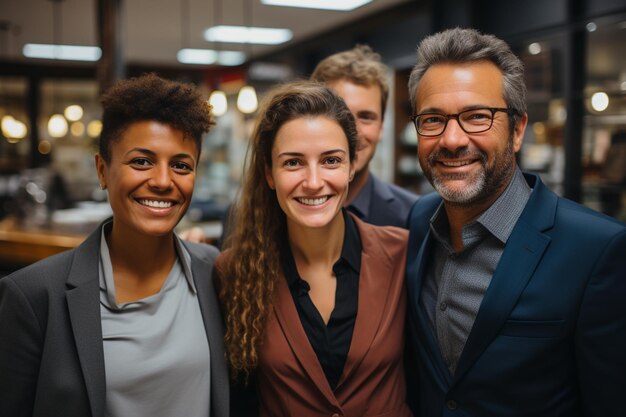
(456, 282)
(156, 352)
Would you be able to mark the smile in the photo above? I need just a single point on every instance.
(156, 204)
(455, 163)
(312, 201)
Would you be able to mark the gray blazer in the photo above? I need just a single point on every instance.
(51, 354)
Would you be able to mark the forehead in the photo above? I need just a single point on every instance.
(309, 135)
(153, 135)
(453, 86)
(357, 94)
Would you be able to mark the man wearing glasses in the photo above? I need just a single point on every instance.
(517, 297)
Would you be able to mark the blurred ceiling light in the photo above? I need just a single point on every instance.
(73, 113)
(13, 129)
(62, 52)
(77, 129)
(534, 48)
(94, 128)
(622, 86)
(57, 126)
(44, 147)
(246, 100)
(591, 27)
(341, 5)
(600, 101)
(218, 102)
(209, 56)
(243, 34)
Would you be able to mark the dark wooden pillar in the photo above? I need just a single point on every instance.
(111, 66)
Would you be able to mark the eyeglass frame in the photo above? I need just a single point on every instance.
(493, 110)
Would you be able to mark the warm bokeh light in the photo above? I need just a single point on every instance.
(246, 100)
(77, 128)
(44, 147)
(57, 126)
(94, 128)
(73, 113)
(600, 101)
(218, 102)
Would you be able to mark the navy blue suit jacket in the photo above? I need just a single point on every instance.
(550, 335)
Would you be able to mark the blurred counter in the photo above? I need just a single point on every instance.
(21, 245)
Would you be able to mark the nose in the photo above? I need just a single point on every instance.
(453, 136)
(313, 179)
(160, 178)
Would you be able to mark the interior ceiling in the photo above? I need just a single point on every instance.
(154, 30)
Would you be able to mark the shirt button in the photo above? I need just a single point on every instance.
(451, 404)
(443, 306)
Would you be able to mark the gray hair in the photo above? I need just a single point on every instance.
(467, 45)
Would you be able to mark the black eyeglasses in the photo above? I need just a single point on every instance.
(471, 121)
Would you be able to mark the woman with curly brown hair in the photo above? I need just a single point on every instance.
(127, 323)
(313, 298)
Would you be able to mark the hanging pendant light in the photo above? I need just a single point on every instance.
(218, 102)
(57, 124)
(246, 99)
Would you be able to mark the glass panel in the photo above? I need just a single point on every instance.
(604, 134)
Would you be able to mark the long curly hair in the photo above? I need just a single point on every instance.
(253, 249)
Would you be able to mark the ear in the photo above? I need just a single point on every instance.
(269, 178)
(101, 169)
(518, 132)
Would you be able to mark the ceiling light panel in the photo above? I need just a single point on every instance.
(209, 56)
(63, 52)
(242, 34)
(341, 5)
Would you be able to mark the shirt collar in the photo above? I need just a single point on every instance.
(106, 268)
(350, 252)
(499, 219)
(361, 203)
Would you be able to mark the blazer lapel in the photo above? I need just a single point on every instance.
(83, 301)
(373, 293)
(427, 347)
(524, 249)
(289, 321)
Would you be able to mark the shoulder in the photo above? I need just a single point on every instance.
(585, 222)
(202, 251)
(390, 238)
(424, 207)
(391, 191)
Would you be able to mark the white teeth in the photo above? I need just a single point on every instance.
(157, 204)
(455, 163)
(313, 201)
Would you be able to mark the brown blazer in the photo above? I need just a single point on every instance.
(291, 381)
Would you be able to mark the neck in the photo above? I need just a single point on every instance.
(143, 256)
(319, 245)
(357, 184)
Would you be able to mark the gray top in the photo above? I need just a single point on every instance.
(455, 283)
(156, 353)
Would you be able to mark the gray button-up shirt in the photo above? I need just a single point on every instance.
(456, 282)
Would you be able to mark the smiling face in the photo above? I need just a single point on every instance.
(365, 104)
(467, 168)
(149, 178)
(310, 171)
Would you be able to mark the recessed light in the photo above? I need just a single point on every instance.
(341, 5)
(209, 56)
(243, 34)
(62, 52)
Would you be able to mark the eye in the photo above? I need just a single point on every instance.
(182, 167)
(432, 119)
(332, 160)
(292, 163)
(477, 116)
(140, 162)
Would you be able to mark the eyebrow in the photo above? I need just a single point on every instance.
(149, 152)
(440, 111)
(281, 155)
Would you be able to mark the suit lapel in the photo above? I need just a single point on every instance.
(289, 322)
(373, 293)
(524, 250)
(427, 345)
(83, 301)
(202, 272)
